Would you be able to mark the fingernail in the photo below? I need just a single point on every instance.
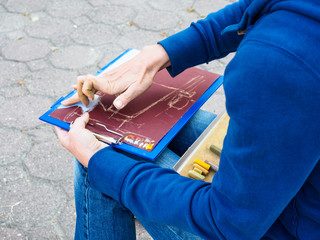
(118, 104)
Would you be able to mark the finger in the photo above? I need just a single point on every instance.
(83, 98)
(132, 92)
(88, 88)
(71, 100)
(62, 136)
(81, 122)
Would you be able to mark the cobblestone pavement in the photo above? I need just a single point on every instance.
(45, 45)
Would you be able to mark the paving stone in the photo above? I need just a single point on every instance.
(81, 20)
(88, 70)
(12, 72)
(216, 103)
(2, 99)
(94, 34)
(3, 39)
(51, 82)
(141, 233)
(22, 6)
(215, 66)
(67, 186)
(37, 16)
(74, 57)
(110, 53)
(132, 3)
(14, 145)
(11, 22)
(11, 173)
(186, 18)
(112, 15)
(12, 233)
(2, 9)
(16, 35)
(49, 160)
(97, 3)
(67, 219)
(61, 41)
(156, 20)
(49, 27)
(170, 5)
(138, 38)
(37, 65)
(26, 49)
(23, 112)
(30, 203)
(204, 7)
(43, 133)
(13, 91)
(48, 232)
(68, 9)
(227, 59)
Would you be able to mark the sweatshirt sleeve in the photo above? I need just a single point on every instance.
(202, 41)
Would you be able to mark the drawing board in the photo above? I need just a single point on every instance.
(150, 121)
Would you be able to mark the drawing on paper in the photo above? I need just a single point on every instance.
(146, 119)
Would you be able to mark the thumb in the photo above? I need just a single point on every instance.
(71, 100)
(82, 121)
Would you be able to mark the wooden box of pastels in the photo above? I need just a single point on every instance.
(201, 161)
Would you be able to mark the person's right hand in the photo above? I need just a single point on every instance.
(127, 81)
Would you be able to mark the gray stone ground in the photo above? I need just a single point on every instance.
(45, 45)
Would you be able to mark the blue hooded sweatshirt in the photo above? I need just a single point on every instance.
(268, 183)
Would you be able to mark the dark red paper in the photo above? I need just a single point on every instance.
(146, 119)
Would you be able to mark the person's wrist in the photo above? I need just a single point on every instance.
(89, 154)
(156, 56)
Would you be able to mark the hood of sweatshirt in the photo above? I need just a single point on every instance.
(257, 8)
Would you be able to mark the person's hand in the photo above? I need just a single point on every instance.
(80, 141)
(127, 81)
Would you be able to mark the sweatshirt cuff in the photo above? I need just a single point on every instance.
(185, 49)
(107, 170)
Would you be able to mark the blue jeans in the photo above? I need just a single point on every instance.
(100, 217)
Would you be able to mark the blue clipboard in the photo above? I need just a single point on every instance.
(126, 147)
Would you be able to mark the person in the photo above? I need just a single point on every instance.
(268, 182)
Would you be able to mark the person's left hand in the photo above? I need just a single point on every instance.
(79, 140)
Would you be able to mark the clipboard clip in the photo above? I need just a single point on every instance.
(108, 139)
